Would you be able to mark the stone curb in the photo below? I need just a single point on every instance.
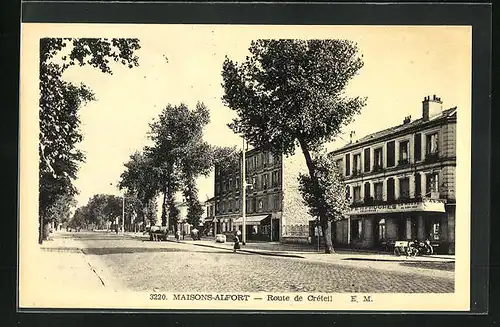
(306, 255)
(274, 254)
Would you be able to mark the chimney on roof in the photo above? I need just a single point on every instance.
(431, 107)
(407, 120)
(352, 135)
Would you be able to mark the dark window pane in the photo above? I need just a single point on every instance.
(418, 185)
(418, 147)
(390, 189)
(367, 191)
(391, 148)
(347, 164)
(367, 159)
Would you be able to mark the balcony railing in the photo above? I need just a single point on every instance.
(377, 168)
(432, 157)
(356, 172)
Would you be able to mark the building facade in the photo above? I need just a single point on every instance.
(208, 222)
(401, 182)
(274, 208)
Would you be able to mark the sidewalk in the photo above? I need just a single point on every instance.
(297, 251)
(56, 269)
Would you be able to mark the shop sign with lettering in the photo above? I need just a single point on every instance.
(428, 206)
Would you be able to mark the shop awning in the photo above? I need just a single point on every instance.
(422, 206)
(250, 220)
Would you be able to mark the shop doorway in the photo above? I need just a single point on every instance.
(414, 228)
(379, 232)
(275, 234)
(400, 229)
(432, 228)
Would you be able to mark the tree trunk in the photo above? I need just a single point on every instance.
(164, 206)
(46, 231)
(40, 229)
(325, 224)
(327, 235)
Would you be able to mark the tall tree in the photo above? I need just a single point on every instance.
(291, 93)
(100, 209)
(141, 179)
(180, 154)
(59, 104)
(60, 211)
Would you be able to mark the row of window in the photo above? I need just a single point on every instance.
(257, 182)
(262, 182)
(266, 203)
(228, 185)
(378, 155)
(431, 184)
(260, 160)
(432, 229)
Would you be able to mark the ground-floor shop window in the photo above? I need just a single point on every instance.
(435, 231)
(356, 229)
(381, 229)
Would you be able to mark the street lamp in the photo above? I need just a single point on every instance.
(244, 195)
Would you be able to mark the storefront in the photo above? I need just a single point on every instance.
(378, 226)
(256, 227)
(209, 226)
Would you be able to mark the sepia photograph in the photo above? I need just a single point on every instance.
(245, 167)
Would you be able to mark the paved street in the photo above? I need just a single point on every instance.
(132, 263)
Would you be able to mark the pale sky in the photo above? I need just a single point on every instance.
(402, 66)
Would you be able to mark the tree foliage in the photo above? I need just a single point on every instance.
(98, 212)
(290, 93)
(180, 155)
(60, 211)
(327, 196)
(292, 90)
(59, 104)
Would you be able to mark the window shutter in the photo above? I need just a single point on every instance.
(348, 164)
(391, 148)
(418, 147)
(390, 189)
(367, 190)
(367, 159)
(418, 185)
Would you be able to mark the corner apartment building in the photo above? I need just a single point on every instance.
(274, 208)
(401, 182)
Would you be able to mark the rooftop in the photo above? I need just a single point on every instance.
(448, 113)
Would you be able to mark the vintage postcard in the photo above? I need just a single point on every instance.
(245, 167)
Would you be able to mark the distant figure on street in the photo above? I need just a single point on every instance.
(236, 243)
(178, 235)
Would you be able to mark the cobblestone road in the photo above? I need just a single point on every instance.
(165, 266)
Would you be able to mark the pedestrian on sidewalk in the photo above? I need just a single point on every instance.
(178, 235)
(238, 233)
(236, 244)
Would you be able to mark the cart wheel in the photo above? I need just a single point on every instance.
(397, 252)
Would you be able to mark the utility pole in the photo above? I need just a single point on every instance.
(244, 195)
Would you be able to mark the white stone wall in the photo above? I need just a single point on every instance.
(295, 217)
